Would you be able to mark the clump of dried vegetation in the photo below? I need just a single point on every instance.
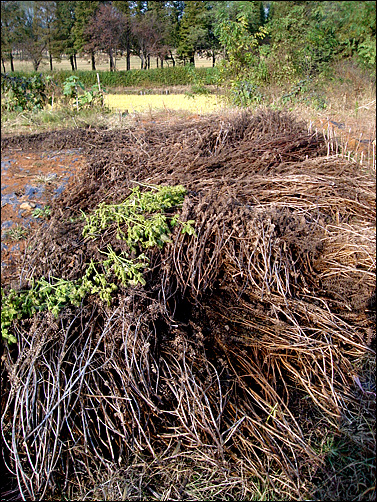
(243, 368)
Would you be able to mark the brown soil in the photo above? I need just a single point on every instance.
(31, 180)
(242, 343)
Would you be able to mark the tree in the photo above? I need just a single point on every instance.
(46, 12)
(192, 31)
(148, 34)
(63, 38)
(240, 31)
(174, 15)
(34, 41)
(355, 28)
(302, 37)
(125, 8)
(12, 27)
(105, 31)
(212, 45)
(84, 11)
(158, 12)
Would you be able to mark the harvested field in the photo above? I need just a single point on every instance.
(224, 374)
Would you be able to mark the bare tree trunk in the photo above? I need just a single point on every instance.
(172, 58)
(11, 61)
(50, 61)
(144, 64)
(75, 59)
(72, 62)
(93, 62)
(3, 63)
(162, 62)
(148, 62)
(156, 62)
(128, 50)
(128, 59)
(213, 59)
(111, 60)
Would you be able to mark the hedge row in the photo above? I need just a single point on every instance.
(179, 75)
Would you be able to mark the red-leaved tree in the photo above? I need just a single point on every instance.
(106, 32)
(148, 38)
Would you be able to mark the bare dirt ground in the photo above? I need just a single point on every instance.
(243, 352)
(30, 180)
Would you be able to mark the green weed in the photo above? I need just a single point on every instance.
(42, 212)
(139, 220)
(16, 233)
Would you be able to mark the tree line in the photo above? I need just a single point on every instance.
(274, 39)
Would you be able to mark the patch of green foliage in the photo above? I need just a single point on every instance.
(21, 93)
(127, 270)
(140, 220)
(91, 98)
(42, 212)
(44, 295)
(244, 93)
(17, 233)
(198, 81)
(178, 75)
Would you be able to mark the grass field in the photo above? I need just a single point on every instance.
(150, 102)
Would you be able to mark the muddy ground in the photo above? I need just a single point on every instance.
(262, 313)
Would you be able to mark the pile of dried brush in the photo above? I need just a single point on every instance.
(221, 374)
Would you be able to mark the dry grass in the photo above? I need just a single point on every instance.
(102, 63)
(348, 116)
(244, 368)
(153, 102)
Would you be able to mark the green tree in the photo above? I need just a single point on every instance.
(12, 27)
(46, 12)
(63, 37)
(84, 12)
(355, 28)
(303, 39)
(226, 16)
(159, 12)
(175, 12)
(35, 39)
(125, 8)
(192, 30)
(240, 32)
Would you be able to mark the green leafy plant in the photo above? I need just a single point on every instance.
(24, 93)
(51, 296)
(93, 97)
(128, 271)
(244, 93)
(140, 220)
(42, 212)
(177, 75)
(198, 83)
(42, 295)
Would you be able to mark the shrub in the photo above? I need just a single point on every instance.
(24, 92)
(179, 75)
